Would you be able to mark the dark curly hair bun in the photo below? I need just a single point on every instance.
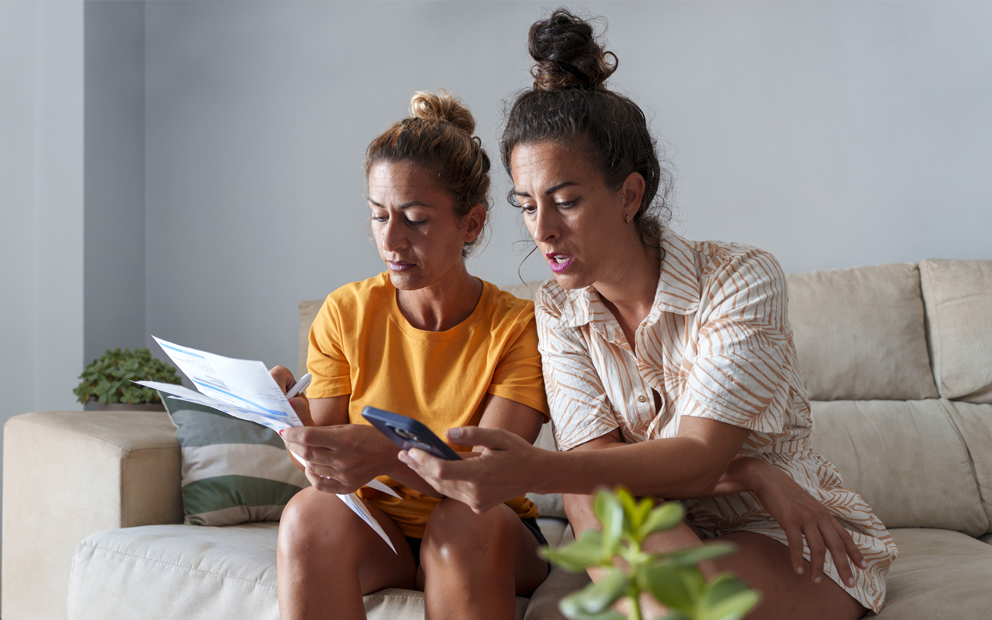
(567, 55)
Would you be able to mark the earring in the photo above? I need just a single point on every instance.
(626, 219)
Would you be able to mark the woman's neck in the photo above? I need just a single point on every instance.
(630, 290)
(442, 305)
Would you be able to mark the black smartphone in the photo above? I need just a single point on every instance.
(408, 433)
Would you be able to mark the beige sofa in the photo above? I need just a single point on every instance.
(897, 358)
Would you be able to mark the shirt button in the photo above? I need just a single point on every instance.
(642, 398)
(691, 518)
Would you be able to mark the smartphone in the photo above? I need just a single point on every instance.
(408, 433)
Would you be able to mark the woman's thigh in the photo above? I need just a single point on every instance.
(322, 540)
(764, 565)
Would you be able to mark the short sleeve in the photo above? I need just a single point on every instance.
(518, 375)
(326, 361)
(580, 409)
(742, 372)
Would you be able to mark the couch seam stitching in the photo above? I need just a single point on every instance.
(174, 564)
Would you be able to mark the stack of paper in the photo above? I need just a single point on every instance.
(245, 389)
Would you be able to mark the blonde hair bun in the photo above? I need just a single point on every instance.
(442, 106)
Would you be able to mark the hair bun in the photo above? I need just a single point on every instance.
(567, 54)
(442, 106)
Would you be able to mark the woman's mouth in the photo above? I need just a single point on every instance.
(399, 265)
(559, 262)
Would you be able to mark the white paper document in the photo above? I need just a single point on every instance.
(245, 390)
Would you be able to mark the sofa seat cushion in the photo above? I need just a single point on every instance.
(204, 572)
(939, 574)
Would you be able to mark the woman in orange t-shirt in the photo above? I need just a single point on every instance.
(428, 340)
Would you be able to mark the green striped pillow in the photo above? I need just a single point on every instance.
(233, 471)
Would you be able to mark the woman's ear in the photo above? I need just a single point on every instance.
(475, 221)
(632, 192)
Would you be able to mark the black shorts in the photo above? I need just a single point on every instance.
(529, 522)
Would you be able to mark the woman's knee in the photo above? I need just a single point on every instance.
(313, 522)
(454, 531)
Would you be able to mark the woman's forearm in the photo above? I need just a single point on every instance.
(672, 468)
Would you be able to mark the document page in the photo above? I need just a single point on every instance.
(244, 389)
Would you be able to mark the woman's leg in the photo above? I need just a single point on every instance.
(475, 565)
(328, 558)
(760, 562)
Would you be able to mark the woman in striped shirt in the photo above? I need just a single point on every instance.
(666, 361)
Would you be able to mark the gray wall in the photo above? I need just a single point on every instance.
(41, 205)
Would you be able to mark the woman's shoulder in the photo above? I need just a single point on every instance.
(356, 296)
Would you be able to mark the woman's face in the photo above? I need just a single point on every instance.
(576, 221)
(418, 235)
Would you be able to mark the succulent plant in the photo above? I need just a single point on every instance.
(673, 579)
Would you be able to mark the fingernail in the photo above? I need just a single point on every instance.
(816, 580)
(280, 431)
(864, 564)
(454, 433)
(799, 570)
(850, 582)
(401, 455)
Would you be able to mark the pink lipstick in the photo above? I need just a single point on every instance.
(559, 262)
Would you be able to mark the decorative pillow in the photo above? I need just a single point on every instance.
(232, 471)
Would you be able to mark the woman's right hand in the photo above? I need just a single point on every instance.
(505, 467)
(301, 405)
(800, 515)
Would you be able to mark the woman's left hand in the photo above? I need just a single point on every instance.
(801, 517)
(505, 468)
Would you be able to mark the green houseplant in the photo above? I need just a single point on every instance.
(672, 578)
(108, 379)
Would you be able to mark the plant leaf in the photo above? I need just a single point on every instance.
(609, 510)
(673, 586)
(726, 598)
(571, 608)
(691, 557)
(664, 517)
(598, 597)
(584, 552)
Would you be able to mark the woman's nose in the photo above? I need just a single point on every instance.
(391, 236)
(543, 225)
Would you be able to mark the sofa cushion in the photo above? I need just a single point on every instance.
(939, 574)
(958, 298)
(906, 459)
(232, 471)
(308, 312)
(198, 573)
(975, 423)
(860, 333)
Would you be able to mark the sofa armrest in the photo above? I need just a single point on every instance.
(68, 474)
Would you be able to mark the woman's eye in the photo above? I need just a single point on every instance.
(379, 218)
(527, 208)
(566, 204)
(416, 222)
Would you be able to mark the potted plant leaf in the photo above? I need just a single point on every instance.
(108, 380)
(673, 579)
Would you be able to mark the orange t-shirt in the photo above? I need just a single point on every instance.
(362, 345)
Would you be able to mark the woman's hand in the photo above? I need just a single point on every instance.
(800, 515)
(507, 466)
(341, 458)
